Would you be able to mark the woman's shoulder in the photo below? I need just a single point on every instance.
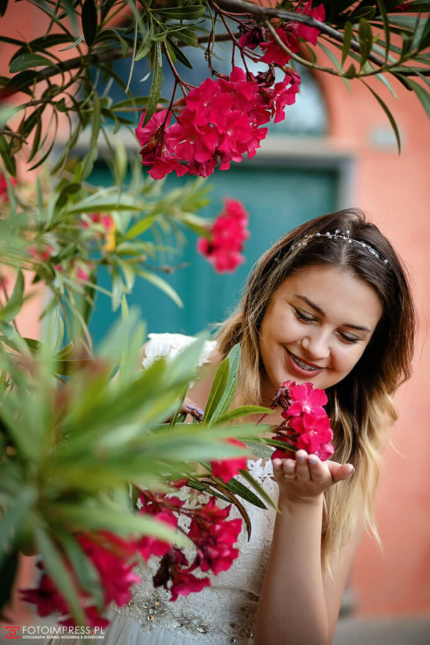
(168, 346)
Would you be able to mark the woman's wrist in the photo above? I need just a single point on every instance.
(297, 504)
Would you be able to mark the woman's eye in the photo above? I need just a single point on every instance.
(301, 316)
(348, 339)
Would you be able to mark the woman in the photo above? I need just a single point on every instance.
(329, 304)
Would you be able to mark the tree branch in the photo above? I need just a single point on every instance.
(271, 12)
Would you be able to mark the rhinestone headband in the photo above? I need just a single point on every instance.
(338, 235)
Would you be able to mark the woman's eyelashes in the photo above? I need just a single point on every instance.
(311, 319)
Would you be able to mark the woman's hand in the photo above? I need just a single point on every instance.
(306, 477)
(189, 407)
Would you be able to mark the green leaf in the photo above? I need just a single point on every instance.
(177, 53)
(347, 39)
(92, 153)
(14, 304)
(234, 360)
(421, 92)
(12, 519)
(365, 38)
(157, 79)
(89, 21)
(258, 488)
(336, 63)
(57, 570)
(383, 12)
(83, 567)
(8, 572)
(8, 160)
(75, 44)
(242, 411)
(188, 37)
(140, 227)
(159, 282)
(238, 488)
(183, 13)
(218, 389)
(3, 7)
(389, 115)
(27, 61)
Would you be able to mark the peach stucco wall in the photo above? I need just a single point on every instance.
(395, 192)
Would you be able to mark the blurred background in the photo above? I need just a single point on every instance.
(335, 149)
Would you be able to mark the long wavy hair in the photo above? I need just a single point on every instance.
(360, 406)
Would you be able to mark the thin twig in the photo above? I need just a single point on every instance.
(14, 135)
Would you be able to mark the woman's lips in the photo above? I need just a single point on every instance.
(300, 370)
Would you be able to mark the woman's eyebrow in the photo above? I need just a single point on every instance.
(322, 313)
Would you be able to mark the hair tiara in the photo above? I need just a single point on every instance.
(338, 235)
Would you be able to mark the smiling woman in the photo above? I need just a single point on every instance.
(328, 304)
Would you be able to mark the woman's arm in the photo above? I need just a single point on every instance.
(298, 604)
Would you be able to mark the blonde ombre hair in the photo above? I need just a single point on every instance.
(360, 406)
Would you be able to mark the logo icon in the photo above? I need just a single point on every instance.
(12, 631)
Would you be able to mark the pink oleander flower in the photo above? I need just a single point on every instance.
(283, 94)
(306, 425)
(226, 469)
(185, 583)
(45, 597)
(253, 38)
(42, 252)
(3, 187)
(309, 34)
(274, 53)
(228, 233)
(162, 508)
(214, 537)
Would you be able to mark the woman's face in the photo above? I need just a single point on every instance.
(316, 327)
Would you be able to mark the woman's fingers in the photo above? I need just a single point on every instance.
(302, 469)
(189, 407)
(340, 472)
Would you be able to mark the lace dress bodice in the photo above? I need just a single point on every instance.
(225, 611)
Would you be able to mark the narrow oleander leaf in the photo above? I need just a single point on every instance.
(242, 411)
(183, 13)
(422, 94)
(14, 304)
(389, 115)
(8, 159)
(188, 37)
(230, 390)
(28, 61)
(159, 282)
(75, 44)
(258, 488)
(3, 7)
(89, 21)
(365, 38)
(218, 388)
(347, 39)
(237, 488)
(336, 63)
(383, 12)
(140, 227)
(157, 79)
(93, 151)
(177, 53)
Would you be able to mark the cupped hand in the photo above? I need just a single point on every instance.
(306, 477)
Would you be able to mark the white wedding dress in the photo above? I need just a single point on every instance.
(222, 613)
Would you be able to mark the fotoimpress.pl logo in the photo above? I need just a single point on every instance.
(42, 632)
(12, 631)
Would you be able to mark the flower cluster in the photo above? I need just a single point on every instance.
(219, 122)
(110, 556)
(103, 227)
(210, 531)
(306, 425)
(228, 233)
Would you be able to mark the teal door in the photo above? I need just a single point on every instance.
(277, 198)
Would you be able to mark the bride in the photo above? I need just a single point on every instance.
(329, 304)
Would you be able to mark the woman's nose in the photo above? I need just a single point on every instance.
(316, 346)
